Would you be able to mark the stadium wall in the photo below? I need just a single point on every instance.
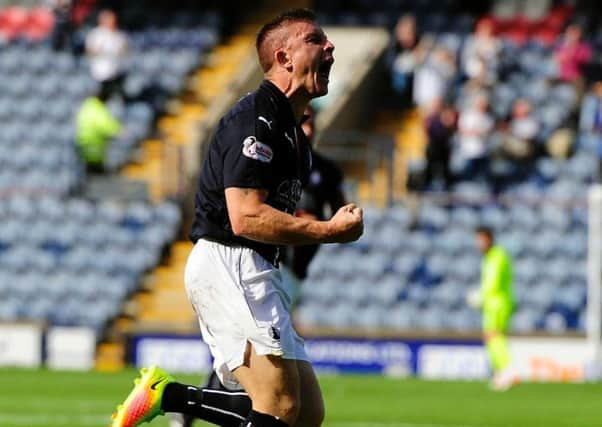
(31, 345)
(539, 359)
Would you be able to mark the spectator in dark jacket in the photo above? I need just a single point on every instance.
(439, 125)
(323, 191)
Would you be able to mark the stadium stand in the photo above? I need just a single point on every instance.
(430, 262)
(410, 271)
(66, 259)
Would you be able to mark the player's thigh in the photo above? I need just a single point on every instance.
(496, 321)
(272, 384)
(311, 413)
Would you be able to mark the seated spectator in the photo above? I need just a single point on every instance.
(433, 78)
(519, 141)
(480, 54)
(95, 128)
(475, 125)
(572, 54)
(439, 125)
(107, 48)
(405, 55)
(590, 119)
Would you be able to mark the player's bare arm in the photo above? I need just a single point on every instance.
(254, 219)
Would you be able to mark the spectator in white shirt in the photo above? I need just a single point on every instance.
(523, 128)
(433, 78)
(480, 54)
(475, 125)
(107, 48)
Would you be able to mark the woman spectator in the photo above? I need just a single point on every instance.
(572, 54)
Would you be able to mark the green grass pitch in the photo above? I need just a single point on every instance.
(52, 399)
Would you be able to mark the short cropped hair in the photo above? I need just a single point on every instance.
(487, 231)
(264, 45)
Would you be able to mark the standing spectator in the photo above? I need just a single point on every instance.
(590, 119)
(496, 299)
(61, 37)
(406, 55)
(433, 78)
(439, 126)
(480, 54)
(572, 54)
(324, 189)
(474, 127)
(107, 48)
(519, 142)
(95, 127)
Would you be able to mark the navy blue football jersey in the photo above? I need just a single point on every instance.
(257, 144)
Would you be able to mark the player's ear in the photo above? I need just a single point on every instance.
(283, 59)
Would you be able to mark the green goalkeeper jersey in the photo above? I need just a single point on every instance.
(496, 280)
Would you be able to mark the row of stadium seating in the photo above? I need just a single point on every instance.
(31, 24)
(72, 261)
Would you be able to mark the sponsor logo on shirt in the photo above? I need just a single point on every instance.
(256, 150)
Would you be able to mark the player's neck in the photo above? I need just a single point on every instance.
(295, 95)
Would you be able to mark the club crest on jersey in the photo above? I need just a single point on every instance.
(256, 150)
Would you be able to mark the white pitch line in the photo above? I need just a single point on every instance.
(54, 420)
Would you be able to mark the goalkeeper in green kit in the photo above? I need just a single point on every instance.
(496, 299)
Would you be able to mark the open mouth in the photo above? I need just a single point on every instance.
(324, 69)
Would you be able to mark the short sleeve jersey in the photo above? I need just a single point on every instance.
(257, 144)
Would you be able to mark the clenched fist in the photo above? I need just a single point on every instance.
(347, 225)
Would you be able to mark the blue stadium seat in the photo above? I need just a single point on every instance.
(402, 317)
(465, 217)
(433, 217)
(525, 320)
(463, 320)
(387, 290)
(555, 323)
(407, 264)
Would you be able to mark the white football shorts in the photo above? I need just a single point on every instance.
(239, 297)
